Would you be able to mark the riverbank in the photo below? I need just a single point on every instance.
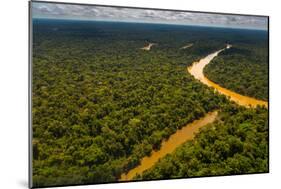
(197, 71)
(186, 133)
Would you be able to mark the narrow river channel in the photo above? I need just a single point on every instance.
(175, 140)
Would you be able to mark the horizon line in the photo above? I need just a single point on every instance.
(159, 23)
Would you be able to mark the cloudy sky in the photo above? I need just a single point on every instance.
(86, 12)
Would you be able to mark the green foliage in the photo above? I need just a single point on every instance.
(100, 103)
(237, 143)
(242, 68)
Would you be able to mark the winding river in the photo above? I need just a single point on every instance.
(178, 138)
(188, 132)
(197, 71)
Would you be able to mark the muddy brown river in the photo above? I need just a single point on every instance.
(175, 140)
(197, 71)
(188, 132)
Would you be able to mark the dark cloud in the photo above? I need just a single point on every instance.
(84, 12)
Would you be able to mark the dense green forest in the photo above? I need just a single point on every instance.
(237, 143)
(100, 103)
(242, 68)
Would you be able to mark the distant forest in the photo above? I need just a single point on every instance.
(100, 103)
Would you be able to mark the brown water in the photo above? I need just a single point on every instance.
(197, 71)
(178, 138)
(188, 132)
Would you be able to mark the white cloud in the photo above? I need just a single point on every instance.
(86, 12)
